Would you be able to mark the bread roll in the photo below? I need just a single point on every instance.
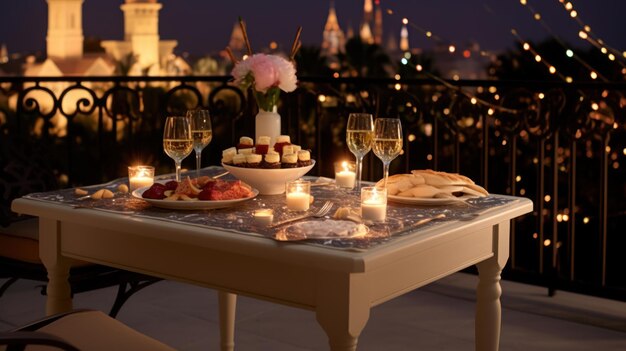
(475, 190)
(432, 184)
(422, 190)
(398, 183)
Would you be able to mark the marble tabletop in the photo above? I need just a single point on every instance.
(402, 219)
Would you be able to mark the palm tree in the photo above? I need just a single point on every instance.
(311, 62)
(364, 60)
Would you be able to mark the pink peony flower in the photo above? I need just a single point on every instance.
(265, 71)
(267, 74)
(286, 73)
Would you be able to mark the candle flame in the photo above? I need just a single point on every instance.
(344, 164)
(375, 194)
(263, 212)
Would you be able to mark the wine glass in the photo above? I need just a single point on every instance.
(387, 142)
(177, 140)
(359, 134)
(201, 133)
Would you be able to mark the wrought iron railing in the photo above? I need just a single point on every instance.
(562, 145)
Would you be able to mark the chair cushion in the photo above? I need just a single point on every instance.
(28, 229)
(94, 331)
(20, 249)
(20, 241)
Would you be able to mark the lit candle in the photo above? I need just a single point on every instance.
(298, 195)
(264, 217)
(374, 204)
(344, 174)
(140, 176)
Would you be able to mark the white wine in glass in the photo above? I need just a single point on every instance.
(201, 133)
(359, 136)
(387, 142)
(177, 140)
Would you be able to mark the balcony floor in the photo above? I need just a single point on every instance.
(439, 316)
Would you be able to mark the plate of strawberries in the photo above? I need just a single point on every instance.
(201, 193)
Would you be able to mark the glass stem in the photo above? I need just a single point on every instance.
(385, 173)
(359, 172)
(177, 170)
(198, 162)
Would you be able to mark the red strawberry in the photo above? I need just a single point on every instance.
(171, 185)
(205, 194)
(156, 191)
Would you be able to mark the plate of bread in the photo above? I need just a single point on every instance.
(428, 187)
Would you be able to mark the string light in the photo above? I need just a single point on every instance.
(589, 36)
(452, 48)
(582, 34)
(527, 47)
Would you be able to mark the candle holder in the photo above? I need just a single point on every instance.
(264, 216)
(140, 176)
(345, 174)
(298, 195)
(374, 203)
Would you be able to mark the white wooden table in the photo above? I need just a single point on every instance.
(340, 286)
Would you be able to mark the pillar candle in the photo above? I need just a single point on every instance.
(298, 194)
(374, 204)
(345, 175)
(140, 176)
(264, 217)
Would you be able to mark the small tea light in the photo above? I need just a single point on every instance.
(263, 217)
(345, 175)
(374, 204)
(298, 193)
(140, 176)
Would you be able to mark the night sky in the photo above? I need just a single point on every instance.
(203, 26)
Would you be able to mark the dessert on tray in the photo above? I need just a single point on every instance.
(432, 184)
(283, 154)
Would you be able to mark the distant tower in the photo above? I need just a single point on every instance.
(366, 33)
(141, 36)
(368, 9)
(392, 44)
(237, 42)
(350, 32)
(4, 54)
(141, 29)
(378, 24)
(404, 37)
(65, 29)
(334, 39)
(366, 25)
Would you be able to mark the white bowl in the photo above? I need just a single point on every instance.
(268, 181)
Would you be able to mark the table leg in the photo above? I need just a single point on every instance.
(342, 310)
(58, 291)
(228, 304)
(488, 292)
(488, 310)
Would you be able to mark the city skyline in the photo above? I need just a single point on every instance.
(204, 27)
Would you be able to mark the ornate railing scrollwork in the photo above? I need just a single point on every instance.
(560, 144)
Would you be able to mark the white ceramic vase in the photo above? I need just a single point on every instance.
(267, 123)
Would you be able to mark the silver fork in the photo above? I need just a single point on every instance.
(328, 205)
